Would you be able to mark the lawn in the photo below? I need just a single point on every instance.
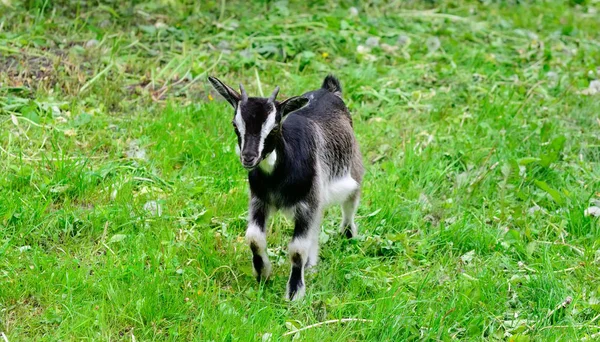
(123, 204)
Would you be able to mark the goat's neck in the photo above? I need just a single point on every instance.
(275, 157)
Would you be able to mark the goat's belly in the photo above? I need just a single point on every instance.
(338, 190)
(335, 191)
(287, 208)
(290, 211)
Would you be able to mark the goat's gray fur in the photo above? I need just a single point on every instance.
(299, 165)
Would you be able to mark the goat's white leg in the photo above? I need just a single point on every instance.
(256, 237)
(313, 252)
(349, 207)
(304, 248)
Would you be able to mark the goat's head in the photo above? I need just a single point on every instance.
(257, 120)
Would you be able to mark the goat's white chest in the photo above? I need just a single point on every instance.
(268, 164)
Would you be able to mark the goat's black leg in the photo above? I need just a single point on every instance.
(256, 236)
(304, 248)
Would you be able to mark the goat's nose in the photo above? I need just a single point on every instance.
(249, 158)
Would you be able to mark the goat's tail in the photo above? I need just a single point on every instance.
(332, 84)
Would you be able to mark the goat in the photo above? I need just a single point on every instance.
(301, 155)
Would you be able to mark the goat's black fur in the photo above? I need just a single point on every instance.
(301, 155)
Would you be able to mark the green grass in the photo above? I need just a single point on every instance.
(481, 156)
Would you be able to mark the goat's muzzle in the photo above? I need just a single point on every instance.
(249, 161)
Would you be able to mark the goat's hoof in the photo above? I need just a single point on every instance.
(264, 273)
(310, 268)
(311, 263)
(349, 231)
(297, 295)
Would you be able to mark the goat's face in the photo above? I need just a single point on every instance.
(257, 120)
(256, 124)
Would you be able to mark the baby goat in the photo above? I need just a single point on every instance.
(301, 155)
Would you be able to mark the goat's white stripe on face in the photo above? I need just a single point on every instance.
(240, 124)
(266, 128)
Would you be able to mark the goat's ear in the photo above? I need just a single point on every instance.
(232, 96)
(292, 104)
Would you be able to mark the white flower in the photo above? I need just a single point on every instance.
(134, 151)
(24, 248)
(552, 78)
(246, 54)
(403, 40)
(534, 209)
(91, 43)
(433, 44)
(388, 48)
(223, 45)
(593, 89)
(160, 25)
(372, 42)
(362, 49)
(153, 208)
(592, 211)
(371, 58)
(468, 257)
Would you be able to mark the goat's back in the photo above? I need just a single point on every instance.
(337, 148)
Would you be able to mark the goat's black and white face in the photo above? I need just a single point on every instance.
(257, 120)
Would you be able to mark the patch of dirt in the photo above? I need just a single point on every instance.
(46, 69)
(51, 68)
(28, 71)
(179, 87)
(17, 310)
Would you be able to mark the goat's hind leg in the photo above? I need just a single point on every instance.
(304, 248)
(256, 237)
(349, 207)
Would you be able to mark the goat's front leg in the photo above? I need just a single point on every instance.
(304, 248)
(256, 237)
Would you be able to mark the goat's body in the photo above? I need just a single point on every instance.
(312, 160)
(317, 158)
(317, 163)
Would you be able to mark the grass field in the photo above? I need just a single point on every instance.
(123, 205)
